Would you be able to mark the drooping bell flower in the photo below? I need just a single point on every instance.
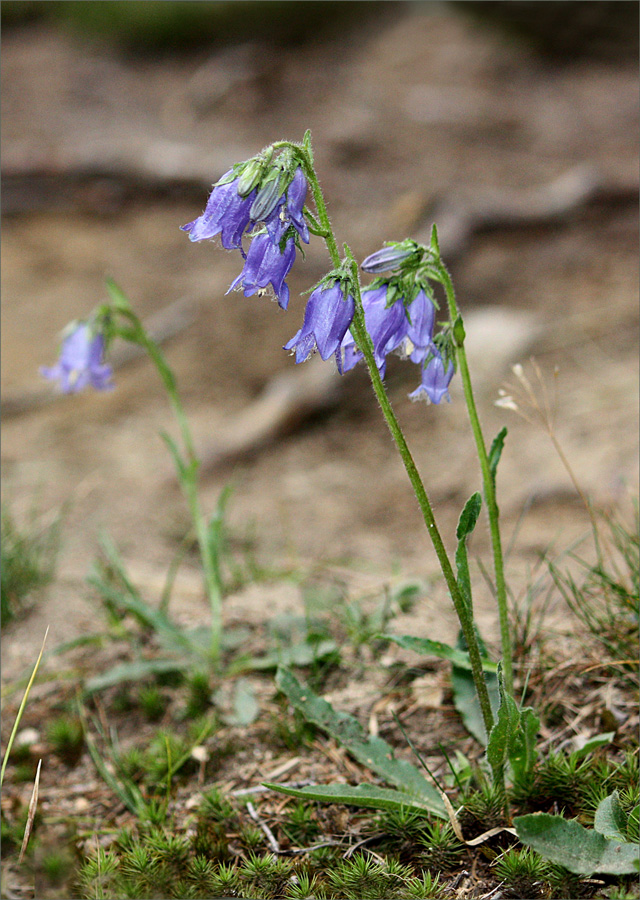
(227, 213)
(436, 379)
(266, 265)
(421, 314)
(386, 326)
(289, 210)
(328, 315)
(81, 361)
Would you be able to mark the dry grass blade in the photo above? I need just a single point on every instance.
(33, 803)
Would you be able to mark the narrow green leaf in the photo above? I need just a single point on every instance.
(496, 452)
(502, 738)
(372, 752)
(610, 819)
(465, 700)
(428, 647)
(366, 795)
(178, 462)
(134, 671)
(523, 753)
(118, 297)
(469, 516)
(466, 524)
(598, 740)
(581, 850)
(301, 654)
(435, 245)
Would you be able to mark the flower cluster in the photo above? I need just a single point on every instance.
(81, 360)
(263, 199)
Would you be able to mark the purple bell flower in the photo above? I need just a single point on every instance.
(327, 317)
(226, 213)
(421, 319)
(81, 362)
(435, 381)
(289, 210)
(265, 265)
(386, 325)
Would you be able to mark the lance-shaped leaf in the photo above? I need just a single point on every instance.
(503, 734)
(373, 752)
(436, 648)
(366, 795)
(466, 524)
(496, 452)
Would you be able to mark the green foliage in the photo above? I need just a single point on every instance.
(607, 597)
(66, 736)
(152, 702)
(522, 871)
(300, 824)
(373, 752)
(580, 850)
(199, 695)
(440, 848)
(28, 560)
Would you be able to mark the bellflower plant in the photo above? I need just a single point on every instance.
(263, 202)
(393, 314)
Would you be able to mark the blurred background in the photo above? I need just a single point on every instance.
(513, 125)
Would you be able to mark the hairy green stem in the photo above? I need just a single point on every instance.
(487, 479)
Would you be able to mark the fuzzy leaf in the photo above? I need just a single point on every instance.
(367, 795)
(581, 850)
(436, 648)
(465, 700)
(496, 452)
(503, 734)
(523, 752)
(610, 820)
(466, 524)
(372, 752)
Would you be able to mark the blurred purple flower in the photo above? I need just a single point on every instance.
(435, 381)
(226, 213)
(265, 265)
(327, 317)
(81, 362)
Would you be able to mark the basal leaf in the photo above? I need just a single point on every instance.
(610, 820)
(373, 752)
(503, 734)
(366, 795)
(581, 850)
(428, 647)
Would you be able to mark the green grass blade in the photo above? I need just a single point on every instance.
(23, 704)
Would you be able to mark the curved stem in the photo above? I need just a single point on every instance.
(487, 479)
(188, 477)
(462, 610)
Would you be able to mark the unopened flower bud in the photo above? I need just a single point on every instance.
(249, 178)
(386, 259)
(267, 198)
